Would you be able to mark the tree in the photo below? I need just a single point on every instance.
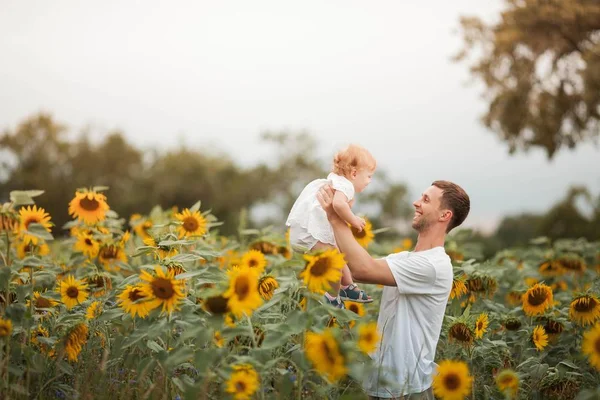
(541, 68)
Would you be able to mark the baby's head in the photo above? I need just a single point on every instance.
(356, 164)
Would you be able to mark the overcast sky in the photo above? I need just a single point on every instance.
(219, 73)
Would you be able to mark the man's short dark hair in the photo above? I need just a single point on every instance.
(456, 199)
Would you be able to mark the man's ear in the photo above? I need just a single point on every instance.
(446, 215)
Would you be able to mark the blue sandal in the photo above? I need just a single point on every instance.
(353, 293)
(337, 302)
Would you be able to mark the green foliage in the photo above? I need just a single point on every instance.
(540, 64)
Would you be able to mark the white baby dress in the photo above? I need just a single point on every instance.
(307, 220)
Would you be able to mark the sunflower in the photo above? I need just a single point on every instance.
(572, 263)
(559, 286)
(243, 291)
(482, 285)
(539, 337)
(324, 353)
(553, 327)
(218, 339)
(452, 380)
(285, 252)
(229, 259)
(73, 291)
(29, 215)
(87, 245)
(459, 289)
(321, 269)
(42, 303)
(591, 346)
(140, 227)
(455, 255)
(9, 220)
(512, 324)
(481, 325)
(550, 268)
(162, 289)
(513, 298)
(508, 383)
(37, 333)
(24, 249)
(368, 337)
(163, 251)
(406, 245)
(178, 269)
(365, 236)
(357, 308)
(460, 333)
(193, 223)
(6, 327)
(99, 284)
(585, 309)
(74, 341)
(110, 254)
(216, 305)
(264, 247)
(267, 286)
(243, 382)
(88, 206)
(133, 301)
(537, 299)
(254, 259)
(94, 310)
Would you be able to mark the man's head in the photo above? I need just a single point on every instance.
(443, 203)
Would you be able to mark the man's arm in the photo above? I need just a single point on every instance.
(364, 268)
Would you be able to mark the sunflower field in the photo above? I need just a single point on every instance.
(161, 306)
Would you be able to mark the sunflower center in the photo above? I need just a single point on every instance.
(320, 267)
(72, 292)
(353, 308)
(135, 295)
(242, 287)
(452, 382)
(585, 304)
(162, 288)
(88, 241)
(31, 221)
(109, 252)
(42, 302)
(89, 204)
(357, 234)
(253, 263)
(597, 345)
(461, 333)
(328, 353)
(537, 296)
(368, 337)
(190, 224)
(240, 386)
(480, 325)
(216, 304)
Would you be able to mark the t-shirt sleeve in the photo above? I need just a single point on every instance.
(414, 273)
(342, 184)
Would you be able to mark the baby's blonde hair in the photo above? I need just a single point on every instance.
(353, 156)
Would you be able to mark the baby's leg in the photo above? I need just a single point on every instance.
(335, 286)
(346, 281)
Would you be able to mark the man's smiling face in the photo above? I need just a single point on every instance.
(427, 209)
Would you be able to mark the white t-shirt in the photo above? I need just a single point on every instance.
(410, 321)
(308, 216)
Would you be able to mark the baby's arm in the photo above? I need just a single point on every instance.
(342, 208)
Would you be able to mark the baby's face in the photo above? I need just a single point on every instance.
(361, 179)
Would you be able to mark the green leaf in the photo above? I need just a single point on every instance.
(39, 231)
(24, 197)
(152, 345)
(195, 207)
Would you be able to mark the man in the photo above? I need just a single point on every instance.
(418, 285)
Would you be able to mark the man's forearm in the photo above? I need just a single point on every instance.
(356, 257)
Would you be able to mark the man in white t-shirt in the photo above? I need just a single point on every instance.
(417, 287)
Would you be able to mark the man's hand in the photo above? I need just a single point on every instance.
(325, 197)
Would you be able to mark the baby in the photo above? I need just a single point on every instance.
(310, 230)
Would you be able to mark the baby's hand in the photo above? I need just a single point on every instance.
(358, 223)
